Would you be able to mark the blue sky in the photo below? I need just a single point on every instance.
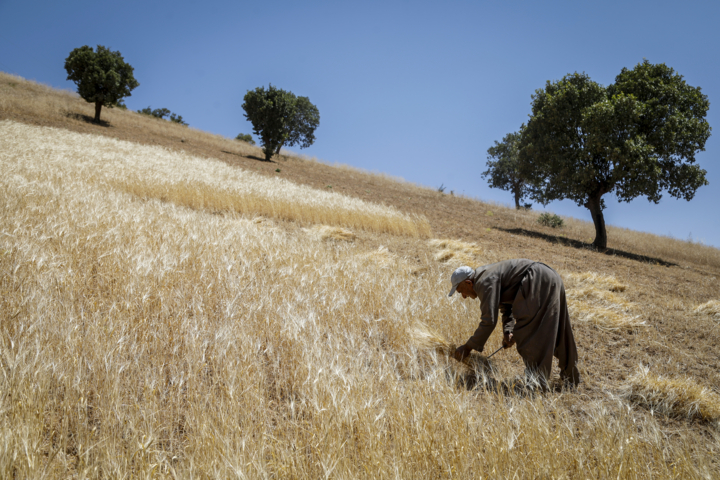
(416, 89)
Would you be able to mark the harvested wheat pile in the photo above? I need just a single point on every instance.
(675, 397)
(327, 232)
(597, 280)
(711, 308)
(381, 257)
(594, 298)
(456, 251)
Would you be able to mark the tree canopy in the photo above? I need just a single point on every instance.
(102, 77)
(504, 167)
(636, 137)
(279, 119)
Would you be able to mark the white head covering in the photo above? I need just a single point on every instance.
(459, 276)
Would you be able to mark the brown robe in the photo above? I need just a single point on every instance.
(531, 296)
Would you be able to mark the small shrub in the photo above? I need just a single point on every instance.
(177, 119)
(245, 137)
(441, 188)
(550, 220)
(162, 113)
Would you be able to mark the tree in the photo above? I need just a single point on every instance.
(504, 167)
(279, 119)
(102, 77)
(637, 137)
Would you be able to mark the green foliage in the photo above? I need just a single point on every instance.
(161, 113)
(102, 77)
(245, 137)
(637, 137)
(550, 220)
(504, 167)
(120, 104)
(279, 118)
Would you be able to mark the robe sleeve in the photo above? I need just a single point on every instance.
(488, 290)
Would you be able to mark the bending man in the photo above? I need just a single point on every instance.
(531, 296)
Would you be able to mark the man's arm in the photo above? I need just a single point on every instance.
(488, 290)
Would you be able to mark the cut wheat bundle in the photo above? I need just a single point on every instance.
(597, 280)
(679, 397)
(711, 308)
(456, 251)
(595, 298)
(427, 338)
(328, 232)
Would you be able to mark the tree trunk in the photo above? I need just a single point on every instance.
(98, 106)
(593, 204)
(517, 197)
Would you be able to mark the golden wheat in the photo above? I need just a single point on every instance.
(143, 338)
(155, 173)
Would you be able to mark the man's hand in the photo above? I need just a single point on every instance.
(508, 340)
(462, 352)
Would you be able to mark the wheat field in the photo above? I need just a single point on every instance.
(165, 316)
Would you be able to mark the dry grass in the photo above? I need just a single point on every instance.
(24, 98)
(142, 337)
(681, 397)
(711, 308)
(456, 252)
(648, 245)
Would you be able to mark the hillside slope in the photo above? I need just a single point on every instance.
(166, 309)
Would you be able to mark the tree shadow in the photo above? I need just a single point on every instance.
(252, 157)
(87, 119)
(569, 242)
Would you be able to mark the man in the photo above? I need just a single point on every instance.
(531, 296)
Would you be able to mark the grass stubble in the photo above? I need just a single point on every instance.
(150, 335)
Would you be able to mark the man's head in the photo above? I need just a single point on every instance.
(462, 282)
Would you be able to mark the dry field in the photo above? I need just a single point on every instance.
(170, 309)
